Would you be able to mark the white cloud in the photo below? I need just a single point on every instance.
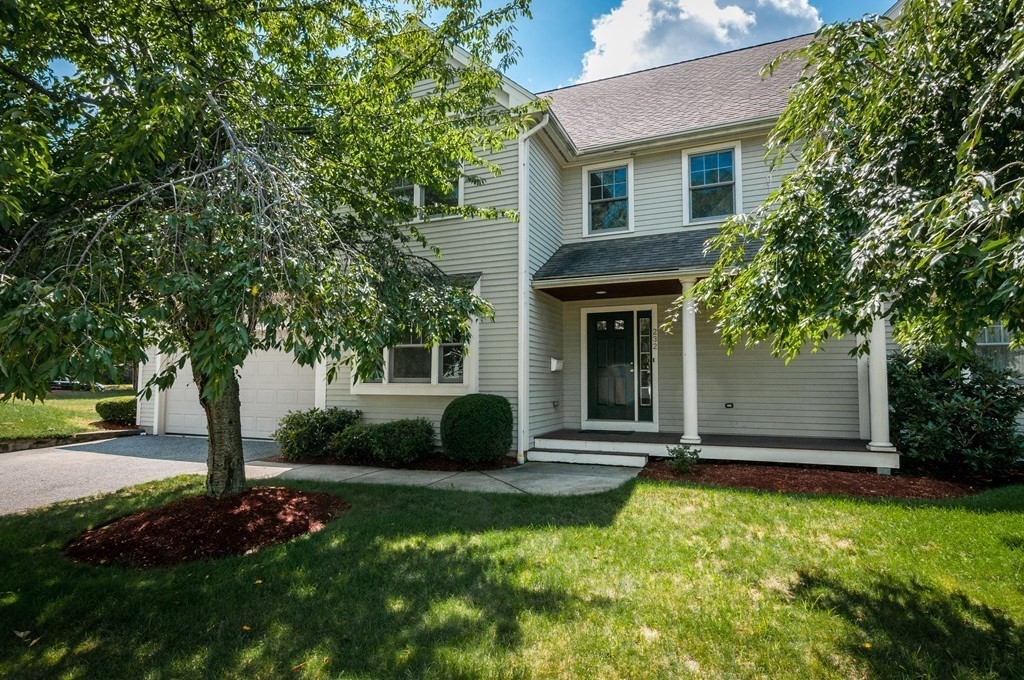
(640, 34)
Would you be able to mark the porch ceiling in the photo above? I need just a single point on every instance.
(608, 291)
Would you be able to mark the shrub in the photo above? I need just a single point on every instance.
(955, 418)
(354, 444)
(477, 428)
(401, 442)
(120, 410)
(683, 458)
(397, 443)
(303, 434)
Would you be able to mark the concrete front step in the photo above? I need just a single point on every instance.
(586, 445)
(621, 459)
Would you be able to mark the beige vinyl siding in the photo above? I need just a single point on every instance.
(816, 395)
(658, 189)
(545, 200)
(145, 372)
(487, 246)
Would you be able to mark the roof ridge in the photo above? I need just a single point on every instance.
(675, 63)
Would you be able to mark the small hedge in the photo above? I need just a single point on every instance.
(393, 444)
(120, 410)
(477, 428)
(955, 418)
(308, 434)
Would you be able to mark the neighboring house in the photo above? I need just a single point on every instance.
(618, 187)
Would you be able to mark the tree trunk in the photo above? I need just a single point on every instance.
(225, 465)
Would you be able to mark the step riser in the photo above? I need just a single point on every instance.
(605, 447)
(585, 458)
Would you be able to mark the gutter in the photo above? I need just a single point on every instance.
(523, 359)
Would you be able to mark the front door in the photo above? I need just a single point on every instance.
(616, 343)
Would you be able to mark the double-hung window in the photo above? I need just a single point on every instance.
(712, 184)
(994, 342)
(427, 201)
(606, 199)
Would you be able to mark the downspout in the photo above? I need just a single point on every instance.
(523, 392)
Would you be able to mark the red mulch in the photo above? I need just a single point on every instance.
(437, 463)
(813, 479)
(199, 528)
(107, 425)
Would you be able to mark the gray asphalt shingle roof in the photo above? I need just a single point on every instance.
(688, 96)
(634, 255)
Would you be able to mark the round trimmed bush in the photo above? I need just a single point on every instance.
(477, 428)
(120, 410)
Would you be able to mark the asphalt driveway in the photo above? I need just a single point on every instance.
(29, 479)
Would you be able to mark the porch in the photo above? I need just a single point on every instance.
(607, 383)
(634, 449)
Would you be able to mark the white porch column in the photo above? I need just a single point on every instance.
(689, 322)
(878, 388)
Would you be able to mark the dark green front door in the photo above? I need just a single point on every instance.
(611, 377)
(620, 366)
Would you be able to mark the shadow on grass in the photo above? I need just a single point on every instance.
(908, 629)
(409, 582)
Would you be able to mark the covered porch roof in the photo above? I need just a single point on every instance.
(626, 267)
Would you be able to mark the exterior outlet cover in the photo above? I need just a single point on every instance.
(556, 365)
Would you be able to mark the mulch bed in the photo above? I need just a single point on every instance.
(199, 528)
(107, 425)
(436, 463)
(813, 479)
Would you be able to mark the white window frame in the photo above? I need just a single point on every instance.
(630, 197)
(1006, 333)
(470, 372)
(419, 193)
(737, 172)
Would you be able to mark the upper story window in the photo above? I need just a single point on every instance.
(607, 199)
(712, 179)
(994, 342)
(428, 201)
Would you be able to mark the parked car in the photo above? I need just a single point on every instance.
(66, 383)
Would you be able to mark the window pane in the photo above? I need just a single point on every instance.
(452, 361)
(711, 168)
(403, 191)
(713, 202)
(610, 215)
(1004, 357)
(449, 198)
(410, 364)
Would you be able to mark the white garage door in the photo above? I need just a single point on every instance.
(270, 385)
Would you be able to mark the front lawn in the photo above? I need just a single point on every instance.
(61, 415)
(651, 580)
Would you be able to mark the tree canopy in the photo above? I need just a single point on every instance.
(214, 178)
(905, 201)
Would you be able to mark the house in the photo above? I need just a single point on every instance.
(618, 185)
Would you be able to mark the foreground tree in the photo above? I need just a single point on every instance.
(907, 191)
(214, 178)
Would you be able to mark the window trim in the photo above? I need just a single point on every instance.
(470, 371)
(630, 196)
(419, 193)
(737, 173)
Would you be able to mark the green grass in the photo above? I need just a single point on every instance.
(651, 580)
(61, 415)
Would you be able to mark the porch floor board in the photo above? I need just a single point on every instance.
(744, 441)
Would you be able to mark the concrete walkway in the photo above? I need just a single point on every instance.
(29, 479)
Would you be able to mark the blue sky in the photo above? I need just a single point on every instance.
(562, 44)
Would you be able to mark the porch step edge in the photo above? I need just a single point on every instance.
(614, 458)
(634, 448)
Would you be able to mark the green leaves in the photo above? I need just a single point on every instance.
(907, 195)
(215, 179)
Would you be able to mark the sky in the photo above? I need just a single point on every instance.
(571, 41)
